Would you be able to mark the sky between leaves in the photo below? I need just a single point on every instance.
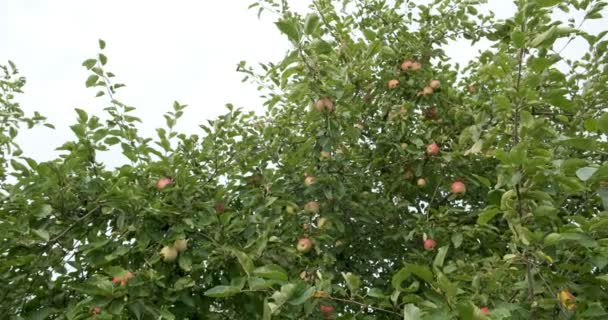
(164, 51)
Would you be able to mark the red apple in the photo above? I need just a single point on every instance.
(416, 66)
(304, 245)
(432, 149)
(458, 187)
(484, 310)
(326, 309)
(435, 84)
(312, 207)
(431, 113)
(116, 280)
(429, 244)
(220, 207)
(406, 65)
(393, 83)
(163, 182)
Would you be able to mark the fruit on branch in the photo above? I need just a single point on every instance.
(180, 245)
(309, 180)
(220, 207)
(421, 182)
(326, 310)
(291, 209)
(322, 222)
(163, 182)
(307, 276)
(472, 89)
(324, 104)
(431, 113)
(123, 279)
(429, 244)
(484, 310)
(426, 91)
(406, 65)
(324, 155)
(312, 207)
(95, 311)
(304, 245)
(567, 299)
(458, 187)
(393, 83)
(408, 175)
(416, 66)
(432, 149)
(168, 253)
(404, 146)
(435, 84)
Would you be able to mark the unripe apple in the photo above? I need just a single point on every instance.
(567, 299)
(432, 149)
(404, 146)
(408, 174)
(325, 155)
(304, 245)
(406, 65)
(220, 207)
(431, 113)
(484, 310)
(291, 209)
(309, 180)
(326, 310)
(321, 222)
(421, 182)
(180, 245)
(458, 187)
(312, 207)
(393, 83)
(163, 182)
(307, 276)
(416, 66)
(435, 84)
(472, 89)
(429, 244)
(168, 253)
(324, 104)
(96, 311)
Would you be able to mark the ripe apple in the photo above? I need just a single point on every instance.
(421, 182)
(393, 83)
(312, 207)
(116, 280)
(432, 149)
(435, 84)
(429, 244)
(304, 245)
(427, 91)
(326, 310)
(291, 209)
(220, 207)
(406, 65)
(309, 180)
(416, 66)
(180, 245)
(163, 182)
(431, 113)
(168, 253)
(567, 299)
(324, 104)
(484, 310)
(458, 187)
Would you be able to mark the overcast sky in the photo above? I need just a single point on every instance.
(164, 51)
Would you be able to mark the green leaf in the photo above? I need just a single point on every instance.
(421, 272)
(518, 38)
(311, 23)
(487, 215)
(585, 173)
(411, 312)
(244, 260)
(222, 291)
(185, 263)
(89, 63)
(352, 281)
(440, 257)
(457, 240)
(544, 39)
(92, 80)
(289, 28)
(271, 271)
(42, 234)
(82, 115)
(102, 44)
(548, 3)
(602, 123)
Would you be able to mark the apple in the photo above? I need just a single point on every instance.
(180, 245)
(406, 65)
(168, 253)
(309, 180)
(325, 155)
(435, 84)
(429, 244)
(567, 299)
(409, 174)
(421, 182)
(484, 310)
(326, 310)
(404, 146)
(307, 276)
(431, 113)
(304, 245)
(427, 90)
(324, 104)
(340, 149)
(458, 187)
(291, 209)
(393, 83)
(416, 66)
(116, 280)
(96, 311)
(312, 207)
(163, 182)
(321, 222)
(472, 89)
(220, 207)
(432, 149)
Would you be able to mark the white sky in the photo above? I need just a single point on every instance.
(164, 51)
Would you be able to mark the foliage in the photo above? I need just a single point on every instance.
(521, 126)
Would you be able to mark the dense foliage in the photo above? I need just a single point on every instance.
(383, 181)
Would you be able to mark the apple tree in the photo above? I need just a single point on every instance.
(383, 180)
